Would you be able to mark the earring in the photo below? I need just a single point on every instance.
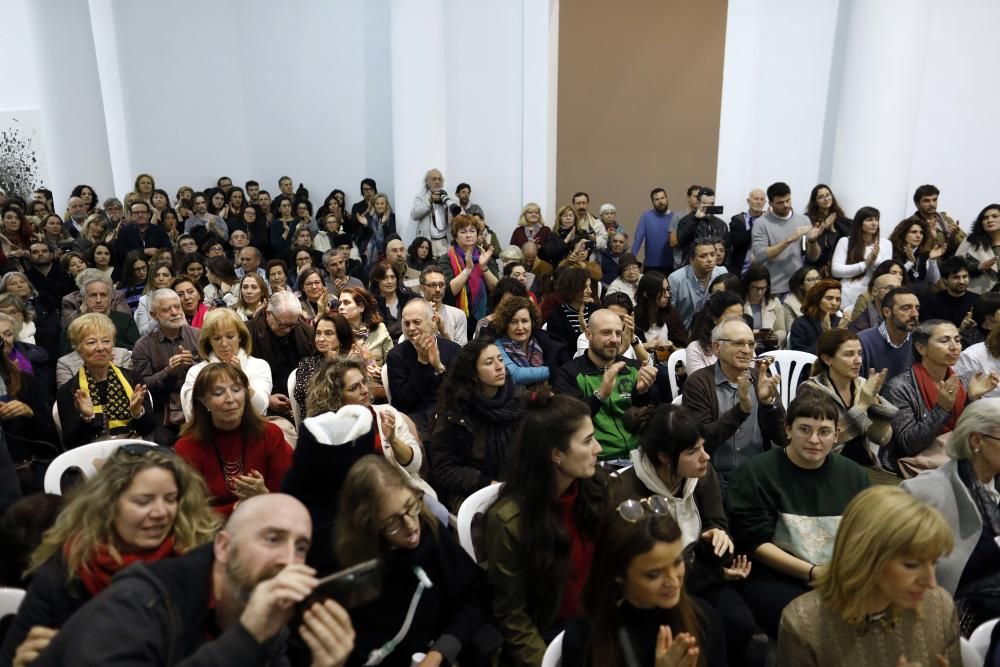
(559, 464)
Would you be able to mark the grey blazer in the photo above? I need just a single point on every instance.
(944, 490)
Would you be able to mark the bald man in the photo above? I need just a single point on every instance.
(610, 384)
(222, 603)
(739, 231)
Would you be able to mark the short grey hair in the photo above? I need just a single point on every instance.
(607, 207)
(88, 277)
(157, 295)
(922, 335)
(980, 416)
(416, 301)
(256, 251)
(328, 254)
(284, 302)
(719, 330)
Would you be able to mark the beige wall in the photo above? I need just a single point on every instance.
(640, 88)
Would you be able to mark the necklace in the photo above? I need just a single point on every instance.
(231, 469)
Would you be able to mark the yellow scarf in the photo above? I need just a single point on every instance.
(99, 409)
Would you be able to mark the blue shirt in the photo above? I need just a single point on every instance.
(687, 293)
(654, 229)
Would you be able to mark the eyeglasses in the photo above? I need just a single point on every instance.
(433, 285)
(746, 344)
(991, 437)
(282, 325)
(394, 524)
(632, 510)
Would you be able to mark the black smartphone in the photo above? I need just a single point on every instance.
(353, 587)
(713, 210)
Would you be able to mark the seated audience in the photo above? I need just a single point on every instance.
(917, 250)
(657, 322)
(719, 307)
(888, 345)
(314, 298)
(798, 285)
(161, 276)
(784, 507)
(192, 300)
(529, 353)
(930, 397)
(479, 409)
(981, 357)
(977, 250)
(819, 313)
(223, 289)
(984, 313)
(419, 255)
(963, 491)
(253, 296)
(434, 599)
(29, 357)
(193, 266)
(837, 374)
(740, 410)
(237, 452)
(232, 598)
(955, 302)
(334, 339)
(101, 400)
(452, 322)
(96, 291)
(280, 339)
(632, 346)
(877, 602)
(630, 271)
(391, 295)
(574, 305)
(225, 338)
(144, 505)
(857, 255)
(507, 287)
(360, 309)
(770, 328)
(540, 531)
(133, 280)
(867, 311)
(277, 275)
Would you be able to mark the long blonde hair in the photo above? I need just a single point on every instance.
(881, 523)
(523, 222)
(88, 520)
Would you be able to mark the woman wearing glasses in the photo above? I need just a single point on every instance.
(434, 597)
(143, 505)
(637, 610)
(540, 531)
(784, 506)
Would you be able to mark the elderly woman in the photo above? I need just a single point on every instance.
(877, 602)
(469, 271)
(43, 309)
(313, 295)
(334, 339)
(528, 353)
(237, 452)
(930, 397)
(964, 491)
(530, 227)
(145, 504)
(102, 401)
(225, 338)
(96, 291)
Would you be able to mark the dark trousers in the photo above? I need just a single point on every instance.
(767, 593)
(737, 619)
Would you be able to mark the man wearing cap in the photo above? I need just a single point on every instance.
(628, 278)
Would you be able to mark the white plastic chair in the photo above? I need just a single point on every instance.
(385, 382)
(675, 356)
(789, 364)
(981, 637)
(58, 422)
(10, 600)
(477, 503)
(679, 400)
(83, 458)
(553, 652)
(970, 656)
(291, 399)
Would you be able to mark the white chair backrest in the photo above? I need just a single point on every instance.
(970, 656)
(477, 503)
(981, 637)
(553, 652)
(675, 356)
(83, 458)
(385, 382)
(679, 400)
(789, 364)
(58, 422)
(10, 600)
(291, 399)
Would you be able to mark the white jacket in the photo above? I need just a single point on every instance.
(257, 371)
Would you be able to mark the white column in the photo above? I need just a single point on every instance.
(72, 110)
(540, 71)
(419, 114)
(878, 106)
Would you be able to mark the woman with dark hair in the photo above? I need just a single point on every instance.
(913, 246)
(433, 597)
(800, 283)
(158, 203)
(506, 288)
(170, 222)
(823, 211)
(657, 322)
(390, 295)
(87, 194)
(193, 265)
(135, 269)
(303, 242)
(333, 339)
(223, 284)
(420, 254)
(360, 310)
(767, 317)
(819, 313)
(313, 295)
(540, 531)
(15, 238)
(726, 282)
(719, 307)
(277, 275)
(237, 451)
(479, 408)
(216, 200)
(981, 250)
(574, 304)
(236, 201)
(253, 222)
(283, 228)
(635, 597)
(375, 227)
(857, 255)
(101, 257)
(865, 417)
(52, 231)
(671, 462)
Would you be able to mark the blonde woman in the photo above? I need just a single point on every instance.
(877, 602)
(530, 227)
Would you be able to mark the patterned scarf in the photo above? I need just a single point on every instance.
(533, 358)
(361, 333)
(114, 404)
(375, 242)
(472, 299)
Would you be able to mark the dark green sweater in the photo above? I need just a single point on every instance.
(771, 499)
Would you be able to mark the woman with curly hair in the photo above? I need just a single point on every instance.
(528, 352)
(143, 505)
(360, 309)
(819, 313)
(913, 246)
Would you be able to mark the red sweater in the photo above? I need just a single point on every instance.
(581, 553)
(271, 456)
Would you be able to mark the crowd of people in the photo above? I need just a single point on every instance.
(322, 393)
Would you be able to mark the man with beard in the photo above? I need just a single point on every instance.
(946, 230)
(395, 254)
(610, 384)
(658, 230)
(888, 345)
(225, 603)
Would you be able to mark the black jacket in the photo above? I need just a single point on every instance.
(77, 432)
(414, 385)
(691, 228)
(157, 615)
(738, 240)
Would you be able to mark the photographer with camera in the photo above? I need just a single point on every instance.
(701, 222)
(432, 213)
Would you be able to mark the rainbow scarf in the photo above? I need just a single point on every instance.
(472, 299)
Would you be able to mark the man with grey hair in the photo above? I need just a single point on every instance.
(281, 338)
(77, 215)
(114, 210)
(431, 214)
(249, 259)
(416, 367)
(738, 404)
(96, 292)
(161, 360)
(740, 226)
(337, 277)
(70, 306)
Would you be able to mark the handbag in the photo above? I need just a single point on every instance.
(930, 458)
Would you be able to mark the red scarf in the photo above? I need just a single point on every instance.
(96, 574)
(199, 316)
(929, 392)
(581, 553)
